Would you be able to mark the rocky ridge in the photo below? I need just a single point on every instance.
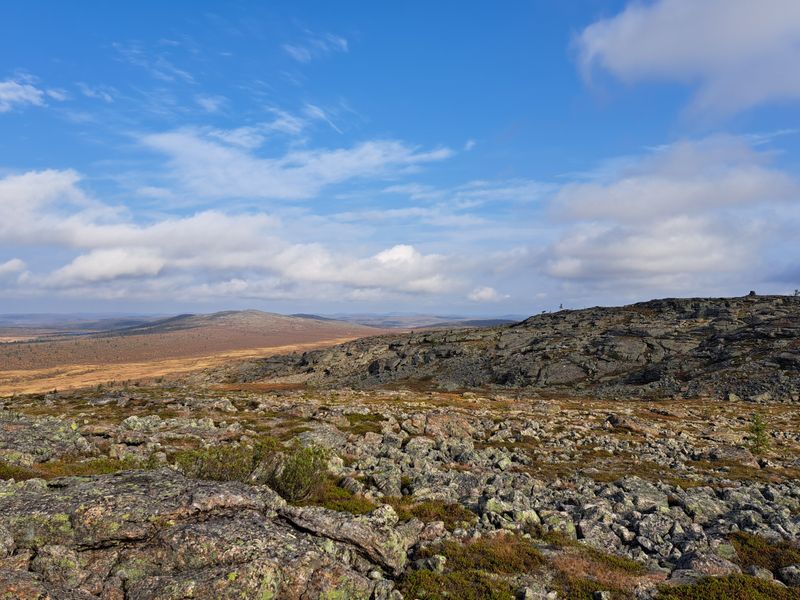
(745, 347)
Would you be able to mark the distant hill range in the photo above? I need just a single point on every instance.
(747, 346)
(51, 343)
(416, 321)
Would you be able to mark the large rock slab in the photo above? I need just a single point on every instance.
(376, 534)
(143, 535)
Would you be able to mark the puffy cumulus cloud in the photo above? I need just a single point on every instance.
(739, 52)
(33, 189)
(486, 294)
(687, 215)
(210, 253)
(686, 177)
(40, 205)
(660, 252)
(401, 268)
(210, 169)
(113, 263)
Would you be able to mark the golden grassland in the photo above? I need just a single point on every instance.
(72, 376)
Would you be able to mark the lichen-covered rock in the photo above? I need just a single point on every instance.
(142, 535)
(376, 534)
(696, 565)
(28, 440)
(22, 585)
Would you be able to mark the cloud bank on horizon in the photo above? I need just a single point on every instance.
(215, 160)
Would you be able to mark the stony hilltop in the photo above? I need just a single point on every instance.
(747, 347)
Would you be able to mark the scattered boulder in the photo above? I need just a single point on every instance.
(377, 534)
(790, 575)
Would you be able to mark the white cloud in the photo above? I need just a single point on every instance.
(24, 197)
(660, 251)
(251, 137)
(686, 177)
(156, 63)
(210, 252)
(686, 214)
(58, 95)
(15, 265)
(474, 193)
(470, 144)
(15, 93)
(740, 53)
(439, 215)
(210, 103)
(100, 265)
(485, 294)
(248, 137)
(97, 92)
(284, 123)
(316, 113)
(686, 218)
(213, 170)
(299, 53)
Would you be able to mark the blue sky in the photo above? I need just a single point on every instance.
(464, 157)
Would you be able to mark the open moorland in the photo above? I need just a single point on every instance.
(650, 451)
(46, 358)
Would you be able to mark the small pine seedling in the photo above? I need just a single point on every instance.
(759, 440)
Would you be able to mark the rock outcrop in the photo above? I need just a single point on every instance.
(745, 347)
(155, 534)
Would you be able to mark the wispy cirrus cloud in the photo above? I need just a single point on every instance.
(156, 63)
(477, 191)
(209, 168)
(313, 46)
(105, 93)
(210, 103)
